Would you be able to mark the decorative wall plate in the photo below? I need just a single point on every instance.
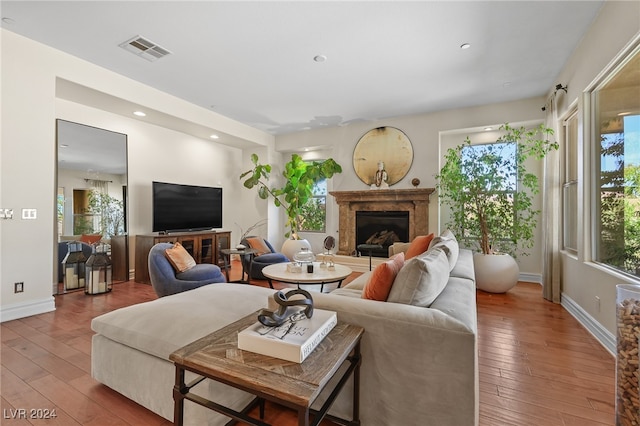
(386, 144)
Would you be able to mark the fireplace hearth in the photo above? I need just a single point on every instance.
(383, 228)
(412, 202)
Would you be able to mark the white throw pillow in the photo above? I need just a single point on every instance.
(421, 279)
(448, 243)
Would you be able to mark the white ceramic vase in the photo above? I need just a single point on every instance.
(291, 247)
(495, 273)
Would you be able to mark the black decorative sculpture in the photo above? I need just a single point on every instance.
(287, 307)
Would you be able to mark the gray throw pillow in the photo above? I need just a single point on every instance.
(448, 243)
(421, 279)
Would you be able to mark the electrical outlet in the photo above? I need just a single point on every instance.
(598, 303)
(18, 287)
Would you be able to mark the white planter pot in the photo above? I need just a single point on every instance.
(495, 273)
(291, 247)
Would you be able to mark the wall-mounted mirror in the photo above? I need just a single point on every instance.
(385, 148)
(92, 195)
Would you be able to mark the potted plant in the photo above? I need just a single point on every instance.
(300, 177)
(490, 194)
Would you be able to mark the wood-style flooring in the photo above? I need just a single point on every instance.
(538, 365)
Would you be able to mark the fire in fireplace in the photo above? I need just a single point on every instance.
(381, 227)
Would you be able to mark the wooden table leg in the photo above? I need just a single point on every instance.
(303, 416)
(179, 390)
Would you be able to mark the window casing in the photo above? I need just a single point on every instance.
(570, 184)
(616, 112)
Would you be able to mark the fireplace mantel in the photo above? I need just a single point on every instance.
(415, 201)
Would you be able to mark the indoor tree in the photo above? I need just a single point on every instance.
(300, 177)
(491, 194)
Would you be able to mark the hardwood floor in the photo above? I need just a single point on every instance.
(538, 366)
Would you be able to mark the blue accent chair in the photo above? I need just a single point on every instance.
(259, 262)
(166, 281)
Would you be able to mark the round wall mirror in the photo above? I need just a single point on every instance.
(386, 145)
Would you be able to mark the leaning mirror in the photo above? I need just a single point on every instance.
(385, 148)
(92, 195)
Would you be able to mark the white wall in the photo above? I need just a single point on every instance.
(28, 158)
(615, 27)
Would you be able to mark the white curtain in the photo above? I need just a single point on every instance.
(101, 186)
(552, 211)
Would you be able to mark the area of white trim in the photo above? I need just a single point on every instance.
(530, 278)
(357, 264)
(602, 335)
(27, 309)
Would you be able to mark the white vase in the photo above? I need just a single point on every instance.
(291, 247)
(495, 273)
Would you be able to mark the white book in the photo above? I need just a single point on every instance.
(293, 341)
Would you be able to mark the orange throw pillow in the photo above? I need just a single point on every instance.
(179, 258)
(90, 238)
(382, 277)
(258, 243)
(419, 245)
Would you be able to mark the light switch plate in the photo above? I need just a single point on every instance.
(29, 213)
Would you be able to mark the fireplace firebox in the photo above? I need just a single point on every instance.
(383, 228)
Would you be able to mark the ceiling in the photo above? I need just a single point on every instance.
(254, 61)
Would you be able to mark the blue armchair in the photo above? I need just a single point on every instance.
(166, 281)
(259, 262)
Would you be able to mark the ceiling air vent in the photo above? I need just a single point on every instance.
(145, 48)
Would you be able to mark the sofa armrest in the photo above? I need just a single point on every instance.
(396, 248)
(418, 363)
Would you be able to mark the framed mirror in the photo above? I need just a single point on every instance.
(91, 201)
(386, 146)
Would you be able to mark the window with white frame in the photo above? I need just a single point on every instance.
(570, 184)
(313, 215)
(616, 112)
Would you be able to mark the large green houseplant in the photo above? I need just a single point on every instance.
(300, 177)
(490, 192)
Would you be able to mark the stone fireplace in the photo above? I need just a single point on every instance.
(382, 228)
(414, 202)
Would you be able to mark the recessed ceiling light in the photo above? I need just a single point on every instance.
(465, 46)
(64, 145)
(622, 114)
(488, 128)
(139, 113)
(320, 58)
(8, 21)
(214, 137)
(506, 84)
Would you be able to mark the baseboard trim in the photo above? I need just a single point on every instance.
(530, 278)
(602, 335)
(27, 309)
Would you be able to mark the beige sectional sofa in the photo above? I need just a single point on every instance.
(419, 363)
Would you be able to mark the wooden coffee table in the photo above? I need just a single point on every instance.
(217, 357)
(322, 276)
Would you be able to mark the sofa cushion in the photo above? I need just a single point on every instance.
(179, 258)
(380, 281)
(448, 243)
(162, 326)
(421, 279)
(419, 245)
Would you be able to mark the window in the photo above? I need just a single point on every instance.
(617, 129)
(570, 185)
(314, 213)
(499, 158)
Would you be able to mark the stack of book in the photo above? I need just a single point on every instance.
(294, 340)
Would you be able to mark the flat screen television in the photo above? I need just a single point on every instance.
(179, 207)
